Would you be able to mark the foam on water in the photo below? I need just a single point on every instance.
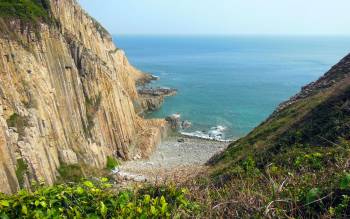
(216, 133)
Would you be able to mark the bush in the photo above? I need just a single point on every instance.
(89, 199)
(112, 163)
(313, 161)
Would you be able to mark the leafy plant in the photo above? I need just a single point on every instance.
(96, 199)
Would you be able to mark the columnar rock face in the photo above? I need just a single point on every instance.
(67, 95)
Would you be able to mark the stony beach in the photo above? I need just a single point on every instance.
(174, 160)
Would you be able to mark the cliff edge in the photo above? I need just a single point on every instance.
(67, 95)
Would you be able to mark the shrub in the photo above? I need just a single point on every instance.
(89, 199)
(312, 161)
(112, 163)
(21, 170)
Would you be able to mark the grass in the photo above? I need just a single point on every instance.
(301, 182)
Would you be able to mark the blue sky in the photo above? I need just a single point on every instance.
(222, 17)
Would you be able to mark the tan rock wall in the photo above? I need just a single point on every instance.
(69, 95)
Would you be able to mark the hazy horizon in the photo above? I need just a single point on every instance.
(222, 17)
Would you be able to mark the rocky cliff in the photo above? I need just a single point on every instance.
(67, 95)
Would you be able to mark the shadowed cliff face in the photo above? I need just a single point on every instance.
(67, 95)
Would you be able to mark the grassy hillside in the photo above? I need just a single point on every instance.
(296, 163)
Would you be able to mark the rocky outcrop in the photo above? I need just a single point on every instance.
(152, 98)
(338, 72)
(67, 95)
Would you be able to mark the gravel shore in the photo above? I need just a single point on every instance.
(174, 160)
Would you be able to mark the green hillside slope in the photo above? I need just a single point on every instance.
(296, 163)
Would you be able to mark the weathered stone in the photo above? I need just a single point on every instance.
(78, 97)
(68, 156)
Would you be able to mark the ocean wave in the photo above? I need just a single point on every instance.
(215, 133)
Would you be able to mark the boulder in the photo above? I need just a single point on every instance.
(186, 124)
(174, 121)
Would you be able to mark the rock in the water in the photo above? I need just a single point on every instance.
(186, 124)
(174, 120)
(152, 98)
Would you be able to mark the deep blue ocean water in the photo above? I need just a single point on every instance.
(235, 82)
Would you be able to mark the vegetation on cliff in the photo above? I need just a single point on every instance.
(26, 10)
(96, 199)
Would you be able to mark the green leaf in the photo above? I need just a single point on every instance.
(79, 190)
(147, 199)
(154, 210)
(345, 181)
(24, 210)
(43, 204)
(5, 203)
(103, 209)
(89, 184)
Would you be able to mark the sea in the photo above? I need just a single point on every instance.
(227, 85)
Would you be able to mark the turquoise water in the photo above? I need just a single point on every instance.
(235, 82)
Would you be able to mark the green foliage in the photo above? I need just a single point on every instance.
(249, 166)
(345, 181)
(21, 170)
(112, 163)
(97, 200)
(312, 161)
(26, 10)
(339, 211)
(312, 195)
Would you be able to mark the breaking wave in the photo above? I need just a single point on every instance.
(216, 133)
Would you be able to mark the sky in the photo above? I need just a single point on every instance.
(222, 17)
